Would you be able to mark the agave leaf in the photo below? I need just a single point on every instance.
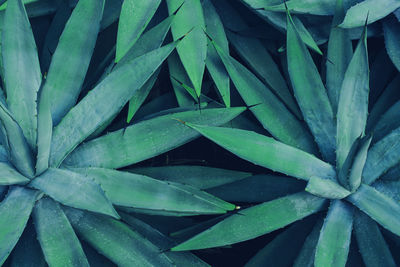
(391, 30)
(146, 139)
(312, 7)
(258, 58)
(150, 40)
(255, 221)
(161, 241)
(282, 250)
(111, 13)
(27, 252)
(310, 92)
(138, 191)
(15, 210)
(305, 258)
(388, 122)
(257, 188)
(358, 164)
(45, 130)
(21, 68)
(111, 95)
(135, 15)
(200, 177)
(116, 240)
(382, 156)
(392, 174)
(66, 72)
(53, 34)
(280, 21)
(326, 188)
(18, 149)
(215, 29)
(388, 98)
(192, 50)
(340, 52)
(355, 16)
(334, 240)
(267, 152)
(57, 239)
(267, 108)
(383, 209)
(388, 188)
(353, 102)
(10, 176)
(373, 247)
(83, 192)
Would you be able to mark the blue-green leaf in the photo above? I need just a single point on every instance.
(22, 74)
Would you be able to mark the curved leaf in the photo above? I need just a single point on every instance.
(340, 51)
(382, 156)
(21, 68)
(10, 176)
(214, 65)
(146, 139)
(267, 108)
(138, 191)
(116, 240)
(57, 239)
(82, 193)
(374, 10)
(105, 100)
(257, 188)
(267, 152)
(282, 250)
(18, 149)
(326, 188)
(334, 239)
(135, 15)
(372, 245)
(378, 206)
(391, 32)
(355, 176)
(353, 102)
(200, 177)
(15, 210)
(255, 221)
(312, 7)
(310, 92)
(192, 50)
(66, 72)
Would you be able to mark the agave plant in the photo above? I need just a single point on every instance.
(72, 189)
(348, 159)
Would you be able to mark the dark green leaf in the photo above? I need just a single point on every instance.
(200, 177)
(340, 52)
(373, 247)
(391, 30)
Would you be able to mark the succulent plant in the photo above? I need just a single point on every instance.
(61, 189)
(343, 154)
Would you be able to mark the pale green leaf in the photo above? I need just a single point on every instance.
(326, 188)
